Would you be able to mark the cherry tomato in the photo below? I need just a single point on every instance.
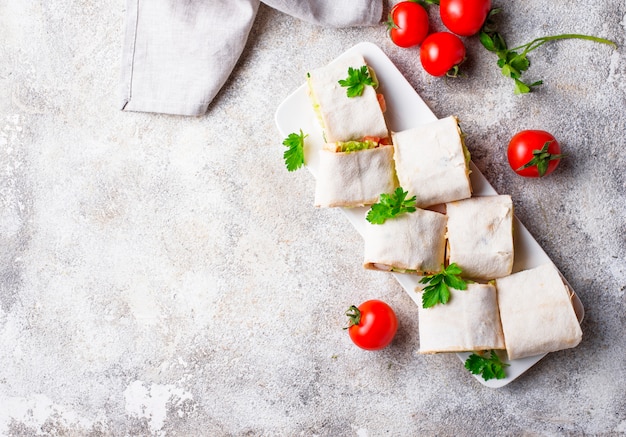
(407, 24)
(372, 325)
(464, 17)
(533, 153)
(441, 53)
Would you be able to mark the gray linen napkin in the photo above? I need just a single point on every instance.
(177, 54)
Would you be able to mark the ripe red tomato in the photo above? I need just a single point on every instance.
(407, 24)
(372, 325)
(464, 17)
(441, 53)
(533, 153)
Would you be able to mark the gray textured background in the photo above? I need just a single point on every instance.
(164, 275)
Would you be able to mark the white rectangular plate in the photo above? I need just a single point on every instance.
(406, 109)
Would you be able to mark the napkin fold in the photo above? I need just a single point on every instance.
(177, 54)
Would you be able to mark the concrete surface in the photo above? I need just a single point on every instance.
(167, 276)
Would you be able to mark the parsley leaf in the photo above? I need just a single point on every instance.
(356, 81)
(488, 367)
(294, 155)
(391, 205)
(437, 290)
(512, 62)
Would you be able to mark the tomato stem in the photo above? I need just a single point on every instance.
(390, 24)
(354, 316)
(454, 71)
(541, 158)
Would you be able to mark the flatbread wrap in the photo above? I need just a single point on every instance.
(346, 118)
(350, 179)
(410, 243)
(469, 321)
(537, 312)
(480, 236)
(432, 162)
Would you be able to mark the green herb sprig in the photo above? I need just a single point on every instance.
(356, 81)
(513, 62)
(490, 367)
(437, 290)
(294, 155)
(390, 206)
